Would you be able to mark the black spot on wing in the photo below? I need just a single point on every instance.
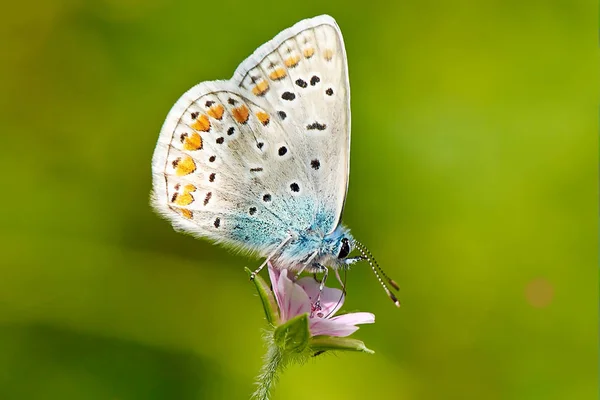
(317, 126)
(289, 96)
(301, 83)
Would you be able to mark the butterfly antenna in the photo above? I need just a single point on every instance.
(378, 272)
(381, 271)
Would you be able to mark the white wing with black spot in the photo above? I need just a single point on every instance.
(265, 155)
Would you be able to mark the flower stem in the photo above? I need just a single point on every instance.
(268, 373)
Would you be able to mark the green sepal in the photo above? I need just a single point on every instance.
(320, 344)
(293, 335)
(267, 298)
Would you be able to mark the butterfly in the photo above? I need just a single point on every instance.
(261, 162)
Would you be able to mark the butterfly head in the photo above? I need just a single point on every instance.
(335, 249)
(346, 247)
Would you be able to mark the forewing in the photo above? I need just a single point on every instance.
(303, 75)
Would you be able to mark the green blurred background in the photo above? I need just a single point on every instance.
(474, 182)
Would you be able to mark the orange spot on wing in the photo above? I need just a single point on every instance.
(184, 166)
(261, 88)
(184, 199)
(291, 61)
(216, 111)
(201, 124)
(308, 52)
(189, 188)
(328, 54)
(241, 114)
(186, 213)
(263, 117)
(277, 74)
(192, 142)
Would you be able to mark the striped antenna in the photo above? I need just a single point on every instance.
(378, 272)
(370, 257)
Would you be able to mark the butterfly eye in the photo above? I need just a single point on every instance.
(345, 250)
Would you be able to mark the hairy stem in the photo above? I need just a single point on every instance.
(268, 373)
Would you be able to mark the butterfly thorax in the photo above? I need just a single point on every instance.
(312, 247)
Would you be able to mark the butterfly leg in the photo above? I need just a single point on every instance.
(283, 243)
(306, 264)
(321, 268)
(339, 278)
(346, 266)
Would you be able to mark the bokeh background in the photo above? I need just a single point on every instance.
(474, 182)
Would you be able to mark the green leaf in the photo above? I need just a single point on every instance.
(323, 343)
(293, 335)
(267, 298)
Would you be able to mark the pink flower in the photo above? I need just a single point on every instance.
(296, 297)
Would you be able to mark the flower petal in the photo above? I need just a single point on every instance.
(332, 299)
(342, 325)
(328, 327)
(355, 318)
(292, 299)
(274, 274)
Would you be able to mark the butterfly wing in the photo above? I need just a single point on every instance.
(252, 160)
(303, 74)
(209, 172)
